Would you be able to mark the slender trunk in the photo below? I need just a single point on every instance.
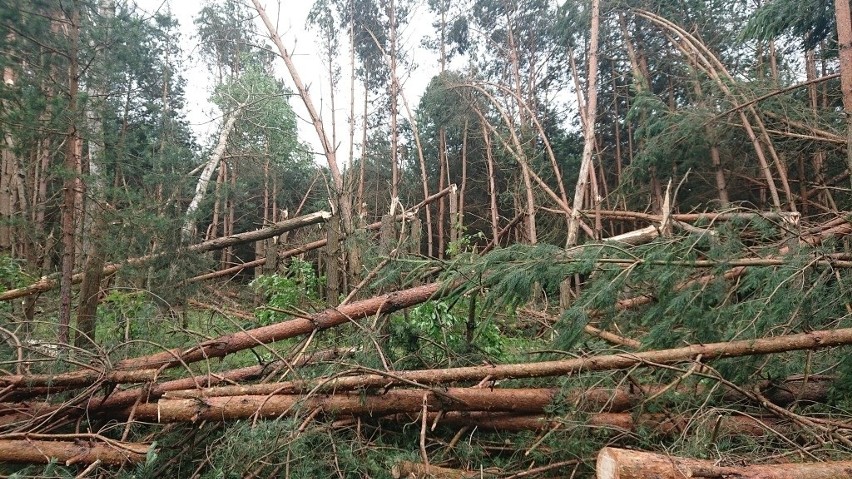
(343, 200)
(492, 187)
(394, 93)
(362, 206)
(463, 187)
(69, 193)
(589, 129)
(442, 175)
(844, 43)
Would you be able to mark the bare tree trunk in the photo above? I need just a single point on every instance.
(589, 125)
(343, 200)
(69, 193)
(393, 93)
(492, 187)
(844, 42)
(188, 229)
(442, 177)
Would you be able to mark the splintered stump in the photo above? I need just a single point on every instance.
(614, 463)
(78, 451)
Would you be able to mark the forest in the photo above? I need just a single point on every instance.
(609, 239)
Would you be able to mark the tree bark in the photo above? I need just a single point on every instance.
(68, 452)
(844, 43)
(239, 341)
(69, 190)
(750, 347)
(188, 229)
(614, 463)
(219, 408)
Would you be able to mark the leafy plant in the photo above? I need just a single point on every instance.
(285, 292)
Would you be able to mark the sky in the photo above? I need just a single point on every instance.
(303, 46)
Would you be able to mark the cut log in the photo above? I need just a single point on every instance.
(47, 283)
(613, 463)
(71, 452)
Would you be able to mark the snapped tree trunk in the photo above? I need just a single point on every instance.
(589, 111)
(188, 230)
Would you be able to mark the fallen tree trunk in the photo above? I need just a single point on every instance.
(417, 470)
(231, 343)
(748, 347)
(694, 217)
(222, 408)
(146, 368)
(47, 283)
(112, 453)
(662, 424)
(614, 463)
(314, 244)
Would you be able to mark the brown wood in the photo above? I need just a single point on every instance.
(749, 347)
(417, 470)
(219, 408)
(662, 424)
(844, 43)
(614, 463)
(67, 452)
(231, 343)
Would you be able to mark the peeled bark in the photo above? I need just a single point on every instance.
(614, 463)
(71, 452)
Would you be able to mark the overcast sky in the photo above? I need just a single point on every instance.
(205, 118)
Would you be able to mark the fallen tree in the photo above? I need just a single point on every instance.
(614, 463)
(80, 450)
(147, 368)
(748, 347)
(662, 424)
(47, 283)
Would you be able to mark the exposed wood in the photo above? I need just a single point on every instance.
(614, 463)
(417, 470)
(219, 408)
(70, 452)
